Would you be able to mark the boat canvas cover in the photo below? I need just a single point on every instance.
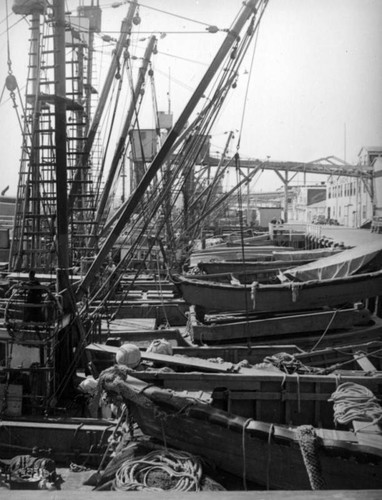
(316, 253)
(362, 258)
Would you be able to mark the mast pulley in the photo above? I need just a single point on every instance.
(11, 83)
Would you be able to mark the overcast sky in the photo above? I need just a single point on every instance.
(315, 88)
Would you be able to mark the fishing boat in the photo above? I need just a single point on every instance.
(258, 254)
(332, 280)
(210, 297)
(247, 266)
(276, 443)
(64, 225)
(346, 359)
(304, 329)
(356, 260)
(251, 253)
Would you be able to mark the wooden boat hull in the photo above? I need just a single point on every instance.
(224, 446)
(76, 440)
(243, 277)
(268, 454)
(303, 329)
(249, 267)
(314, 254)
(350, 359)
(235, 253)
(262, 392)
(291, 296)
(164, 311)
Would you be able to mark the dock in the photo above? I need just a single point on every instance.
(350, 237)
(203, 495)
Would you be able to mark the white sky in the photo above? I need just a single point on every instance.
(317, 72)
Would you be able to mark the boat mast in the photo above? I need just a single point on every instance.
(126, 127)
(114, 67)
(62, 243)
(232, 35)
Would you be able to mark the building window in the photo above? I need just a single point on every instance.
(364, 211)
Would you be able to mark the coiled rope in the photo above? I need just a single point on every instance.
(170, 469)
(355, 402)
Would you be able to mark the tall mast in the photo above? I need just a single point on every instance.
(61, 157)
(126, 127)
(232, 35)
(120, 46)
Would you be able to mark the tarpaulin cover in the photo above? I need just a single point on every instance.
(362, 258)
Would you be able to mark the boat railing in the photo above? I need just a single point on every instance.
(314, 230)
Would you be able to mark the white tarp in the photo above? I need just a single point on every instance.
(365, 258)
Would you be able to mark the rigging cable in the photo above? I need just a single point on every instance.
(171, 14)
(10, 81)
(230, 73)
(246, 91)
(110, 125)
(208, 115)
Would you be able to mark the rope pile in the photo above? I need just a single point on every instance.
(158, 471)
(287, 363)
(355, 402)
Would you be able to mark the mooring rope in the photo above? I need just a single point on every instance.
(355, 402)
(246, 423)
(179, 470)
(269, 459)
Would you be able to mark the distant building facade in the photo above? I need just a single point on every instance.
(377, 165)
(307, 203)
(349, 199)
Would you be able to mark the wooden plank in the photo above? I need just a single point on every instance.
(43, 278)
(128, 324)
(193, 364)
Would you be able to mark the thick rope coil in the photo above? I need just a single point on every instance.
(355, 402)
(308, 442)
(173, 470)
